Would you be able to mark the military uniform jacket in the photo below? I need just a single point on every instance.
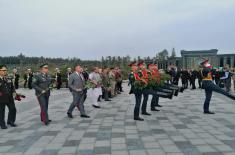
(41, 82)
(206, 73)
(6, 91)
(132, 78)
(105, 80)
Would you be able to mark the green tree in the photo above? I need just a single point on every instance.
(163, 55)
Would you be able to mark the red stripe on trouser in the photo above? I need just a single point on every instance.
(78, 106)
(43, 115)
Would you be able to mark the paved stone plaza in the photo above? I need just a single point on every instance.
(179, 128)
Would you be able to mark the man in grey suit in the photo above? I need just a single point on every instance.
(76, 85)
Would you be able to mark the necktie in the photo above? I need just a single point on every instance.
(81, 77)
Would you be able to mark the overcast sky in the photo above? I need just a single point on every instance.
(90, 29)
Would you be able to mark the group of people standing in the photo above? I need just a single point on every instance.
(105, 83)
(147, 80)
(101, 83)
(222, 76)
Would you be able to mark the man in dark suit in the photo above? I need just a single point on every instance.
(28, 77)
(6, 99)
(85, 73)
(77, 86)
(41, 84)
(193, 77)
(16, 77)
(58, 78)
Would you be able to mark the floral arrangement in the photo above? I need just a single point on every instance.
(164, 77)
(158, 80)
(89, 85)
(140, 84)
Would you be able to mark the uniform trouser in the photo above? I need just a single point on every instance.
(175, 89)
(165, 89)
(185, 83)
(154, 101)
(105, 94)
(78, 100)
(145, 101)
(43, 102)
(175, 81)
(30, 85)
(16, 85)
(234, 84)
(25, 83)
(209, 87)
(113, 87)
(155, 93)
(155, 98)
(138, 98)
(193, 84)
(200, 83)
(2, 114)
(171, 86)
(119, 86)
(159, 93)
(12, 112)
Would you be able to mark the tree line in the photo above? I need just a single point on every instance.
(22, 62)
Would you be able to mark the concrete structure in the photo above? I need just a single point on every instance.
(192, 59)
(223, 59)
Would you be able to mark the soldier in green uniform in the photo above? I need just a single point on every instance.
(137, 91)
(41, 84)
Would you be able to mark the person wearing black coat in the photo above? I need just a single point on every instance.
(176, 78)
(199, 77)
(193, 78)
(185, 76)
(28, 77)
(6, 99)
(58, 78)
(16, 78)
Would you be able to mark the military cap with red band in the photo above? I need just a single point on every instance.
(141, 63)
(150, 65)
(204, 62)
(132, 64)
